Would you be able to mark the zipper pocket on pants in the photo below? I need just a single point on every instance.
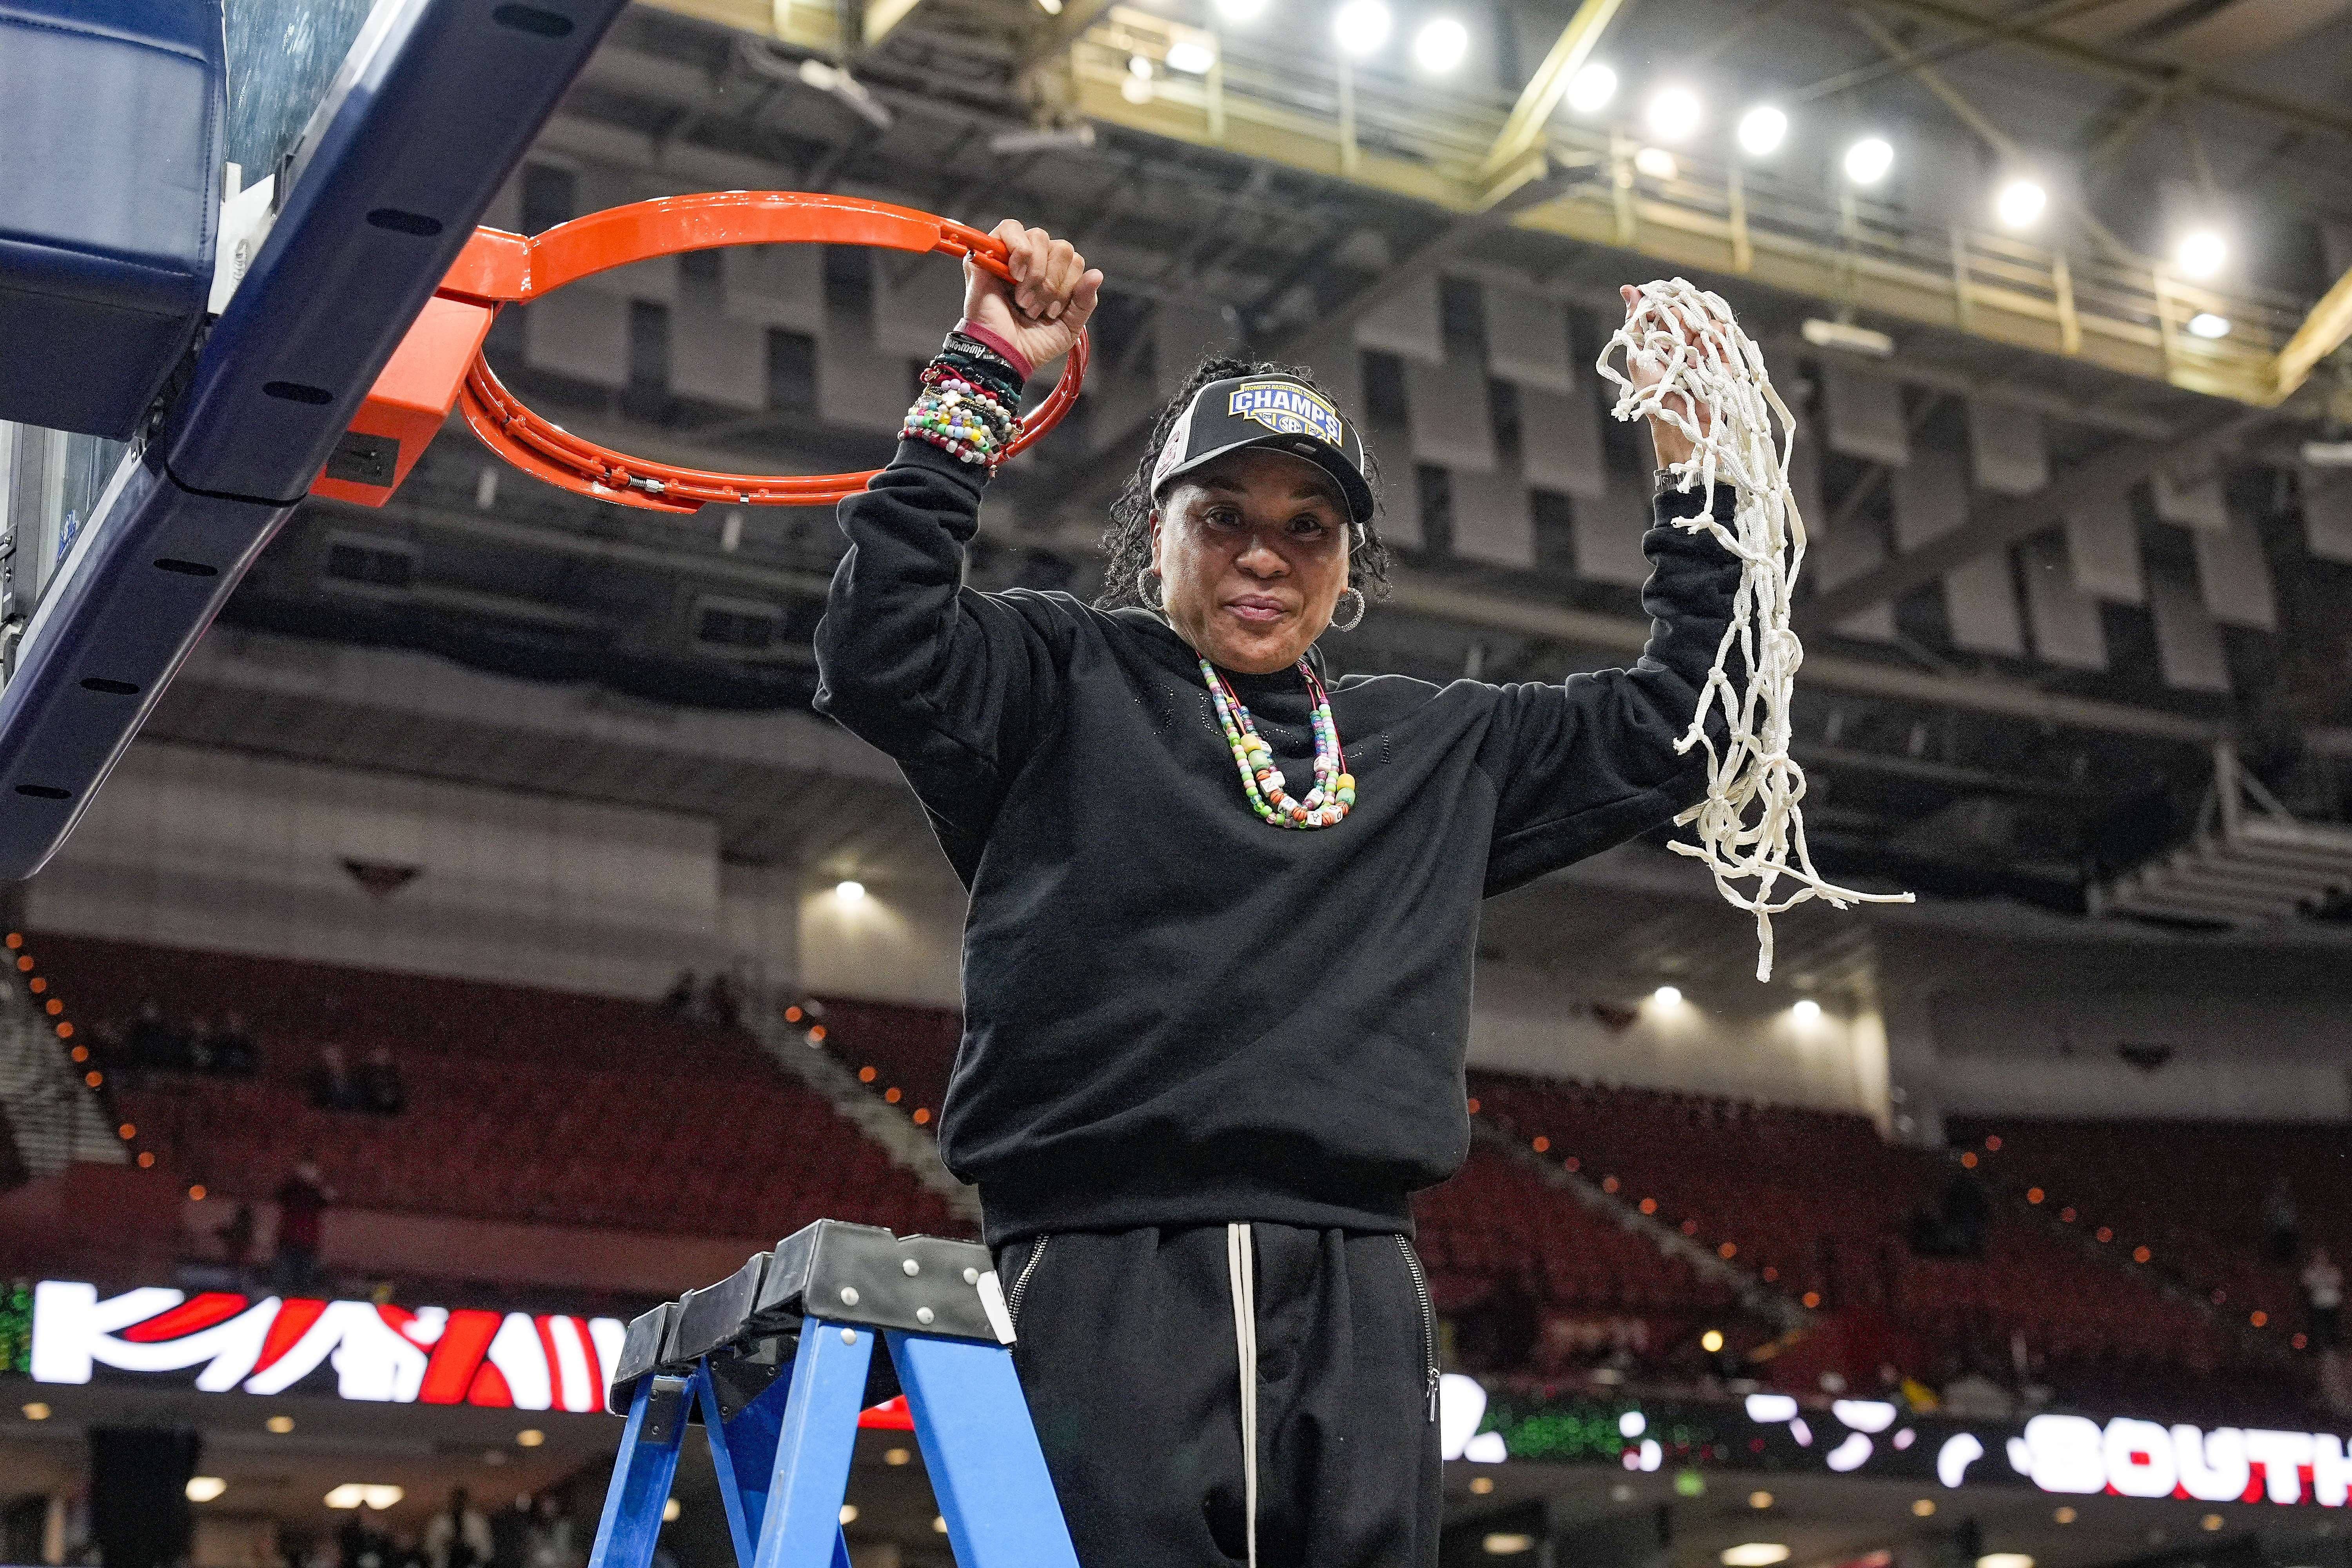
(1428, 1318)
(1021, 1281)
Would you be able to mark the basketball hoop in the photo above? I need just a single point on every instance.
(498, 269)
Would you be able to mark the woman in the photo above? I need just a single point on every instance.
(1215, 1019)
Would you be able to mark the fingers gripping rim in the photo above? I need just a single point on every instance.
(618, 236)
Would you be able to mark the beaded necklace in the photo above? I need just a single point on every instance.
(1334, 787)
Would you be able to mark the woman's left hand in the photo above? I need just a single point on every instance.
(1052, 293)
(1671, 446)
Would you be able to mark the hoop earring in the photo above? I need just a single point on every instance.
(1149, 595)
(1352, 621)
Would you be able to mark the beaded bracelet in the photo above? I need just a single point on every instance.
(961, 418)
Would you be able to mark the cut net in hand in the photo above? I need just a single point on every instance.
(1751, 826)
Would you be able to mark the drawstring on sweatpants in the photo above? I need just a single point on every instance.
(1239, 1269)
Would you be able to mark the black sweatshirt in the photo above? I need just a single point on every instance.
(1175, 1013)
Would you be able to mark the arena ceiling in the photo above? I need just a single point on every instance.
(1954, 771)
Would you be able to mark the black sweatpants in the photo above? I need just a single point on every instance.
(1130, 1350)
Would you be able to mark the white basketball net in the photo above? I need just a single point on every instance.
(1751, 826)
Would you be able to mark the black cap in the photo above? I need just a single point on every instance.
(1278, 412)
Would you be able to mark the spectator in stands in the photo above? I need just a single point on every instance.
(236, 1237)
(551, 1541)
(2323, 1298)
(380, 1087)
(332, 1084)
(458, 1537)
(360, 1541)
(2282, 1222)
(302, 1200)
(234, 1055)
(678, 1000)
(149, 1042)
(510, 1531)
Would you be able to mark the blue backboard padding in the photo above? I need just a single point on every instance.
(112, 631)
(435, 118)
(428, 126)
(112, 119)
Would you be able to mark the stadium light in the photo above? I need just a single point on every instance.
(1656, 163)
(2201, 253)
(1193, 57)
(2021, 204)
(1674, 113)
(1762, 129)
(1241, 10)
(1441, 45)
(670, 1510)
(1672, 997)
(1759, 1500)
(2004, 1560)
(1139, 68)
(849, 891)
(1868, 160)
(204, 1488)
(1589, 89)
(529, 1438)
(849, 1513)
(1808, 1011)
(1507, 1544)
(1755, 1555)
(1712, 1341)
(1361, 26)
(2205, 325)
(280, 1425)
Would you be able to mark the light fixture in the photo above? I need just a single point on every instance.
(1755, 1555)
(1193, 57)
(1139, 68)
(1868, 160)
(204, 1488)
(896, 1456)
(2004, 1560)
(281, 1424)
(36, 1411)
(1924, 1508)
(1762, 129)
(1760, 1500)
(2065, 1516)
(1241, 10)
(2328, 454)
(1667, 997)
(1656, 163)
(2200, 253)
(849, 1513)
(1633, 1424)
(1051, 7)
(670, 1510)
(360, 1494)
(1480, 1486)
(1674, 113)
(1806, 1011)
(1135, 89)
(1361, 26)
(1827, 335)
(848, 891)
(2205, 325)
(939, 1525)
(1711, 1340)
(1507, 1544)
(2211, 1522)
(1591, 88)
(1078, 137)
(1441, 45)
(2021, 204)
(529, 1438)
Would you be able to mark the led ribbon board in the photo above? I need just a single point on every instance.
(219, 1341)
(2064, 1454)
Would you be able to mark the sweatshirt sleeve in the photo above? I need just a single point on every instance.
(956, 684)
(1588, 763)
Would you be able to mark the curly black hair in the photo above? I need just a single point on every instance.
(1127, 537)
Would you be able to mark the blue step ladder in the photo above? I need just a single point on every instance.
(774, 1361)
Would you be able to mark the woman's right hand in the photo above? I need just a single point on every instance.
(1052, 293)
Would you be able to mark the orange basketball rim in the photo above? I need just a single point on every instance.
(440, 364)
